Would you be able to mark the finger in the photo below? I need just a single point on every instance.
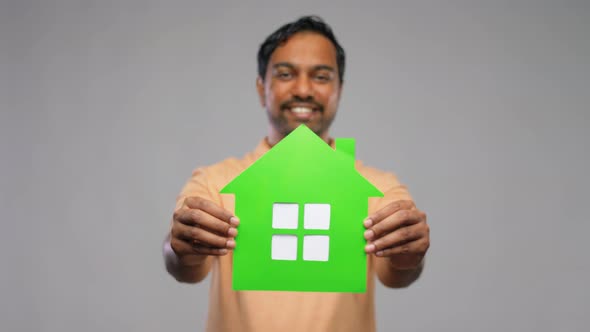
(212, 209)
(393, 222)
(204, 250)
(399, 237)
(202, 219)
(418, 248)
(229, 244)
(199, 235)
(181, 247)
(388, 210)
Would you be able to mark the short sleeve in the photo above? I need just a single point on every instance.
(395, 191)
(389, 185)
(197, 185)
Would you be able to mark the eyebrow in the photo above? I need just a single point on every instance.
(283, 64)
(324, 67)
(292, 66)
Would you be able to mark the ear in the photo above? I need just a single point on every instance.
(260, 89)
(340, 87)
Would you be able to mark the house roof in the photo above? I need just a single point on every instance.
(300, 161)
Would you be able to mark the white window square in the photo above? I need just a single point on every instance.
(285, 216)
(316, 216)
(284, 247)
(316, 248)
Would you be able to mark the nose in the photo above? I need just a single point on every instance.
(303, 88)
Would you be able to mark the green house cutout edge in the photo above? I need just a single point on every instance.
(303, 170)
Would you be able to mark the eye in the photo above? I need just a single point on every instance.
(323, 78)
(284, 75)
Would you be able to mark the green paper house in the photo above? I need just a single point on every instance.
(301, 208)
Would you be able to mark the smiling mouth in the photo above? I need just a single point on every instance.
(302, 110)
(302, 113)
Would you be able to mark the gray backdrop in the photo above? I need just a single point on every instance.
(480, 108)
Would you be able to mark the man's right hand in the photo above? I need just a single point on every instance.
(201, 228)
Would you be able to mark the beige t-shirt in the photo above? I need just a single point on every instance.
(283, 311)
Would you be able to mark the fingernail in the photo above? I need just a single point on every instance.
(223, 251)
(234, 221)
(369, 248)
(368, 222)
(232, 232)
(230, 244)
(379, 253)
(369, 234)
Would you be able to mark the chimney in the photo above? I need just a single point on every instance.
(346, 145)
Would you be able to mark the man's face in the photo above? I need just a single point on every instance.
(301, 86)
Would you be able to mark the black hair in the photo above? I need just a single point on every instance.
(306, 23)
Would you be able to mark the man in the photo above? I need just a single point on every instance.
(301, 70)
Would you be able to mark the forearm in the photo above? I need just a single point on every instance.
(396, 278)
(193, 273)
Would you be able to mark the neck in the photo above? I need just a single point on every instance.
(274, 137)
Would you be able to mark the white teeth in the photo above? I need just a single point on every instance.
(301, 110)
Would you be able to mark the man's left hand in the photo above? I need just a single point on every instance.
(399, 232)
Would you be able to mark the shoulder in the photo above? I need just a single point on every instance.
(221, 173)
(207, 181)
